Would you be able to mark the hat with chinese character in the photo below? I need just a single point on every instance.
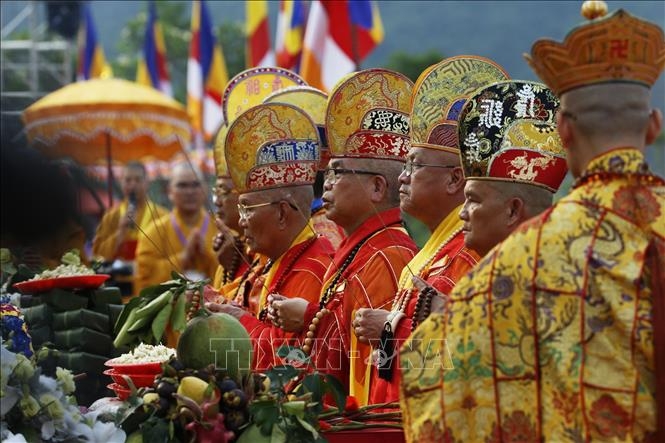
(270, 146)
(440, 94)
(250, 87)
(368, 115)
(615, 48)
(314, 102)
(508, 133)
(218, 152)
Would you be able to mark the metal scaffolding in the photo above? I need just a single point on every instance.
(33, 62)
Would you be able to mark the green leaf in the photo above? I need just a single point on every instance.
(308, 426)
(161, 320)
(336, 389)
(179, 316)
(133, 303)
(296, 407)
(155, 430)
(313, 383)
(265, 414)
(284, 350)
(280, 375)
(278, 435)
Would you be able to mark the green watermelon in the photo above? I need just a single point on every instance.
(217, 339)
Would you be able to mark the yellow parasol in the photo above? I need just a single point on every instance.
(110, 119)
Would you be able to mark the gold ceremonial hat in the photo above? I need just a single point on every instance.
(272, 145)
(440, 94)
(250, 87)
(218, 152)
(507, 132)
(314, 102)
(368, 115)
(615, 48)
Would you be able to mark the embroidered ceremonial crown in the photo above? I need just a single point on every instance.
(272, 145)
(314, 102)
(440, 94)
(218, 152)
(250, 87)
(619, 47)
(368, 115)
(507, 132)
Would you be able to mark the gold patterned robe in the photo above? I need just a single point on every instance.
(550, 337)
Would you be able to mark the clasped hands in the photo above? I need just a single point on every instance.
(368, 325)
(287, 313)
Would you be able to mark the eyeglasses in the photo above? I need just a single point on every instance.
(332, 174)
(411, 166)
(188, 185)
(244, 211)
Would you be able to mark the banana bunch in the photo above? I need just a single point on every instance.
(145, 318)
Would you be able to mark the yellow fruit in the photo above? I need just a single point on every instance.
(135, 437)
(194, 388)
(150, 397)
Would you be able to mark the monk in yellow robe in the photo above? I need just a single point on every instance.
(120, 228)
(557, 335)
(182, 239)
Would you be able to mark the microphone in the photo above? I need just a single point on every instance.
(131, 206)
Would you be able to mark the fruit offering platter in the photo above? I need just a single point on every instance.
(208, 394)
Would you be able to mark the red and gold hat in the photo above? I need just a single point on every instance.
(508, 133)
(250, 87)
(247, 89)
(218, 152)
(314, 102)
(270, 146)
(440, 94)
(616, 48)
(368, 115)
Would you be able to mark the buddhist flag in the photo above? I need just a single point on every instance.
(290, 30)
(152, 68)
(91, 61)
(206, 76)
(339, 35)
(259, 52)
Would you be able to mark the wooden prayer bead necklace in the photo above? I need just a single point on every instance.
(328, 295)
(405, 295)
(230, 273)
(263, 314)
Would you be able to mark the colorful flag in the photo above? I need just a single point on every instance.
(91, 61)
(259, 52)
(290, 29)
(152, 68)
(206, 76)
(339, 35)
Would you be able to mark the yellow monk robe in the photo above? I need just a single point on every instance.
(157, 250)
(550, 337)
(106, 239)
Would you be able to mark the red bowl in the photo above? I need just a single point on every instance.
(120, 392)
(153, 368)
(139, 380)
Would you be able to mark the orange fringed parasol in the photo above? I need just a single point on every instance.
(110, 119)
